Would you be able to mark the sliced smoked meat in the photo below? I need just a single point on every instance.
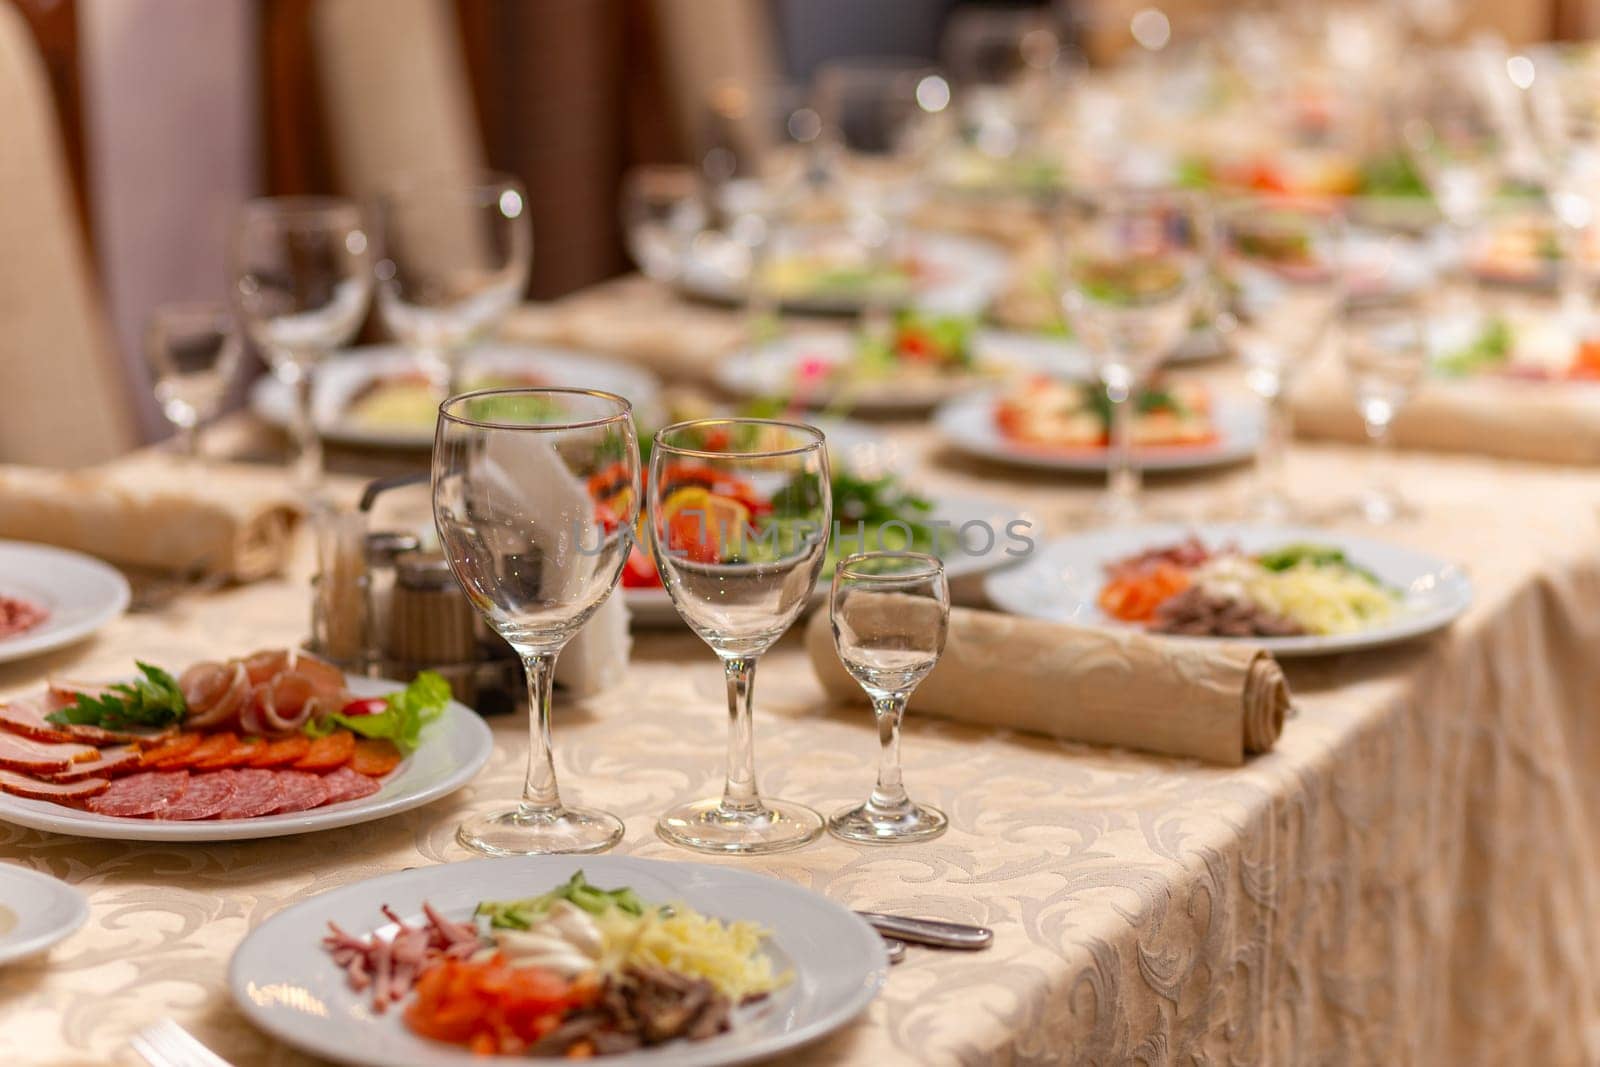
(256, 792)
(173, 752)
(26, 716)
(206, 795)
(374, 757)
(212, 746)
(25, 785)
(345, 784)
(118, 759)
(145, 793)
(236, 755)
(281, 753)
(329, 752)
(18, 753)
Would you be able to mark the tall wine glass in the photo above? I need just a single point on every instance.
(1386, 354)
(661, 214)
(1454, 134)
(881, 121)
(535, 527)
(1563, 104)
(194, 352)
(739, 514)
(455, 254)
(1132, 268)
(302, 278)
(890, 613)
(1279, 262)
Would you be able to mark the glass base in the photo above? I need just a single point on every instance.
(1382, 507)
(522, 831)
(705, 826)
(914, 822)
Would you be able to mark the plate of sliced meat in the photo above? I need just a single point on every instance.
(50, 597)
(265, 745)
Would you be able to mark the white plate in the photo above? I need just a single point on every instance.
(966, 274)
(36, 911)
(81, 593)
(286, 984)
(340, 378)
(1063, 579)
(773, 370)
(653, 607)
(969, 425)
(454, 748)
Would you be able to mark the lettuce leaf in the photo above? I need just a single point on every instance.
(408, 712)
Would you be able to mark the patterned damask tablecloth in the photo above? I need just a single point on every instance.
(1410, 877)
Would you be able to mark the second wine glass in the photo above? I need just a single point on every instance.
(536, 496)
(739, 515)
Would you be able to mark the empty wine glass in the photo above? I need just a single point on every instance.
(1451, 129)
(194, 353)
(1279, 262)
(890, 612)
(661, 213)
(535, 496)
(1563, 106)
(302, 277)
(455, 254)
(739, 515)
(1005, 63)
(881, 121)
(1132, 266)
(1386, 354)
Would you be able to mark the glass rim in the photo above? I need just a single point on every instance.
(819, 439)
(933, 566)
(446, 415)
(469, 181)
(300, 207)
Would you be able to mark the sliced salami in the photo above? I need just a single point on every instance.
(345, 784)
(120, 759)
(206, 795)
(145, 793)
(24, 785)
(256, 792)
(19, 753)
(302, 791)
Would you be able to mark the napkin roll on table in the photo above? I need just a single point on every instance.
(1206, 701)
(156, 514)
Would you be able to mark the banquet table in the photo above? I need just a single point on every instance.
(1411, 876)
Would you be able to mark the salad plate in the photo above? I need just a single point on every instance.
(378, 397)
(827, 964)
(838, 367)
(1229, 431)
(452, 749)
(36, 911)
(1294, 591)
(824, 273)
(71, 595)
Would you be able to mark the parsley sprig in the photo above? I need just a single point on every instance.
(154, 700)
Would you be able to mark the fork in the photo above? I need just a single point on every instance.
(166, 1044)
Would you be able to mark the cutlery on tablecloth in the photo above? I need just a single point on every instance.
(166, 1044)
(934, 932)
(896, 949)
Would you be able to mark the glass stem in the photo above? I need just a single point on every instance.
(761, 305)
(1575, 296)
(539, 795)
(889, 795)
(739, 794)
(1271, 466)
(189, 440)
(1124, 476)
(307, 444)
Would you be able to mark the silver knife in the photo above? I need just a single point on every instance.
(935, 932)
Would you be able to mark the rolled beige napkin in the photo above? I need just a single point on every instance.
(1549, 422)
(157, 513)
(1211, 702)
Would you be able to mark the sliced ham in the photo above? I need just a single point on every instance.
(26, 716)
(25, 785)
(215, 693)
(18, 753)
(107, 763)
(284, 703)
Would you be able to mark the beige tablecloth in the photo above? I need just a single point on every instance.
(1411, 877)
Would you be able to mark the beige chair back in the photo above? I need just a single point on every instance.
(64, 394)
(709, 44)
(395, 90)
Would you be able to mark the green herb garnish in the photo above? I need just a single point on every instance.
(408, 711)
(154, 700)
(1490, 348)
(1291, 556)
(522, 914)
